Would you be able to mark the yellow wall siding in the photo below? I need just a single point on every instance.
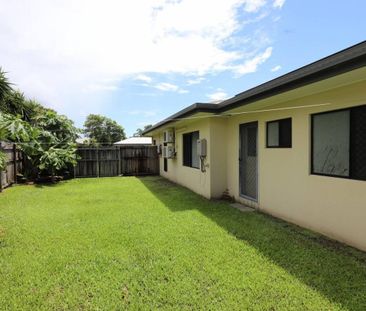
(333, 206)
(189, 177)
(217, 153)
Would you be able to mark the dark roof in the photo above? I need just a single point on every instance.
(341, 62)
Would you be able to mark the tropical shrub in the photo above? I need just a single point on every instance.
(46, 138)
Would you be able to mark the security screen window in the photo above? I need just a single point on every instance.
(279, 133)
(339, 143)
(190, 156)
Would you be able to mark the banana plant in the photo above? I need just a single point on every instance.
(55, 159)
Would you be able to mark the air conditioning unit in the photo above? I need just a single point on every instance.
(168, 152)
(169, 136)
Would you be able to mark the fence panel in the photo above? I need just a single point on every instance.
(115, 161)
(14, 164)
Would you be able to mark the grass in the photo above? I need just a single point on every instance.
(144, 243)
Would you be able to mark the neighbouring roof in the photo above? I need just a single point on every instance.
(341, 62)
(135, 141)
(82, 140)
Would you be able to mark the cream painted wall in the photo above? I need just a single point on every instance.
(333, 206)
(218, 156)
(189, 177)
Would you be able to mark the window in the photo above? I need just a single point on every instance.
(279, 134)
(165, 161)
(190, 156)
(339, 143)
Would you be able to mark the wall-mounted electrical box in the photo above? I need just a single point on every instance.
(202, 147)
(169, 136)
(168, 152)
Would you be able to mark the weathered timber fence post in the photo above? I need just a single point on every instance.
(97, 161)
(1, 175)
(119, 161)
(15, 162)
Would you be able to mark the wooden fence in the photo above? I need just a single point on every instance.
(116, 161)
(14, 164)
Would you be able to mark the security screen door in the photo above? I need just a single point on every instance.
(248, 161)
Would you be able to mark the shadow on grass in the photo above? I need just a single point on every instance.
(336, 271)
(48, 184)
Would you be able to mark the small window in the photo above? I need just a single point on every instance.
(190, 156)
(279, 134)
(339, 143)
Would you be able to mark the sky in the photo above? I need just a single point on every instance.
(139, 61)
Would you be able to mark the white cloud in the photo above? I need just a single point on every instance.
(54, 49)
(251, 65)
(164, 86)
(195, 81)
(218, 96)
(143, 78)
(276, 68)
(278, 3)
(168, 87)
(254, 5)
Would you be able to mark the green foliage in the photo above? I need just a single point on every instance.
(139, 131)
(3, 160)
(46, 138)
(102, 130)
(15, 129)
(57, 159)
(5, 87)
(146, 244)
(15, 103)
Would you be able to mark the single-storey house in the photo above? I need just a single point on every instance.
(135, 141)
(293, 147)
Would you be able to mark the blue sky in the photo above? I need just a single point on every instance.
(140, 61)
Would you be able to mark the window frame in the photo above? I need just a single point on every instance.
(350, 142)
(183, 150)
(279, 122)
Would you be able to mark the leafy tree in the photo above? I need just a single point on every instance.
(55, 147)
(46, 138)
(139, 131)
(48, 145)
(5, 90)
(14, 129)
(57, 129)
(102, 130)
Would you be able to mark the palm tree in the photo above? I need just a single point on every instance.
(5, 86)
(16, 104)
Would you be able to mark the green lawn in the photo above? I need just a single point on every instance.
(144, 243)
